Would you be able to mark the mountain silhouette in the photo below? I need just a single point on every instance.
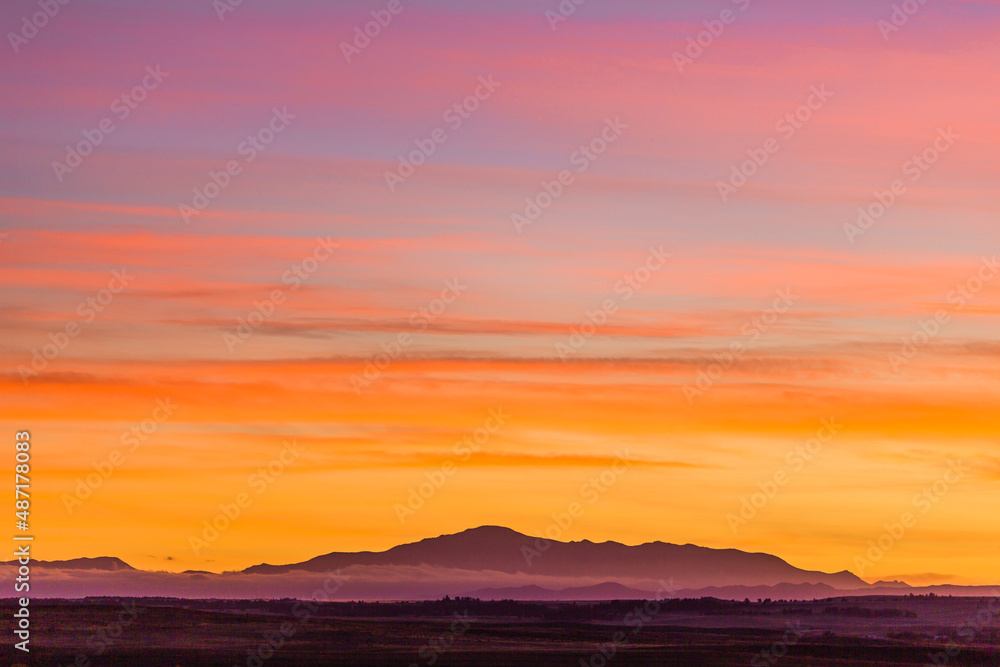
(109, 563)
(498, 549)
(606, 591)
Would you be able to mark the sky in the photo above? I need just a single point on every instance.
(715, 272)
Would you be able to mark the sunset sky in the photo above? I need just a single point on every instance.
(890, 330)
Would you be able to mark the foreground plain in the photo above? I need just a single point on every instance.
(910, 630)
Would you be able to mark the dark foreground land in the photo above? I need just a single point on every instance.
(913, 630)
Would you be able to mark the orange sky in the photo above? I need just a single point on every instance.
(262, 320)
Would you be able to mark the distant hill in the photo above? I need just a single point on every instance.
(606, 591)
(497, 549)
(488, 563)
(777, 592)
(107, 563)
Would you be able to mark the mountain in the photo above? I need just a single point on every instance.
(497, 549)
(778, 592)
(107, 563)
(486, 562)
(606, 591)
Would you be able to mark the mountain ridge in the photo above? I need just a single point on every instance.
(501, 549)
(109, 563)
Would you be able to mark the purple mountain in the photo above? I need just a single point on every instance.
(108, 563)
(500, 549)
